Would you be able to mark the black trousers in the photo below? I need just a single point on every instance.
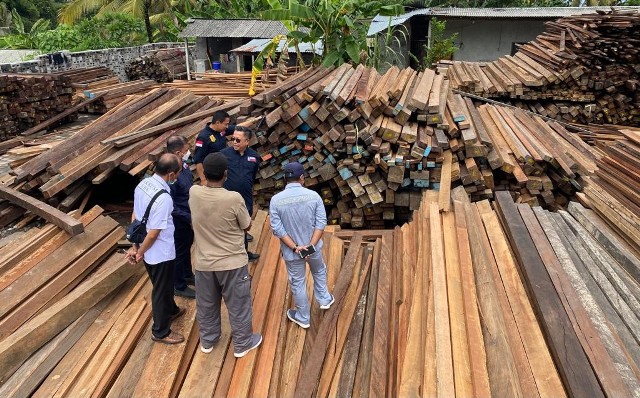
(163, 305)
(183, 237)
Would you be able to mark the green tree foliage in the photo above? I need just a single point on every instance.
(32, 10)
(109, 30)
(341, 25)
(440, 47)
(21, 37)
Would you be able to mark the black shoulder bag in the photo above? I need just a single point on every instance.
(137, 230)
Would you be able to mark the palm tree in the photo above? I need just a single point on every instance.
(145, 9)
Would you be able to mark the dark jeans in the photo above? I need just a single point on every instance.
(183, 237)
(162, 304)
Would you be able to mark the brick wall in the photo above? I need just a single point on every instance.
(114, 58)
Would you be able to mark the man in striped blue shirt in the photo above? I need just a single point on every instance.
(298, 219)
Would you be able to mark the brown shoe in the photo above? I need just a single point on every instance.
(181, 311)
(171, 338)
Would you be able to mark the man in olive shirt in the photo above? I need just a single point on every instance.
(220, 219)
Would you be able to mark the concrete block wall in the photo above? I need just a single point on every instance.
(115, 59)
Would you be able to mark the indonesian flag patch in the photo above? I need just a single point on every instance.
(199, 143)
(251, 159)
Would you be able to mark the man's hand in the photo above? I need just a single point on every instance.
(131, 255)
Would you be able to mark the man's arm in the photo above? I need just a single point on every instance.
(278, 230)
(319, 223)
(200, 172)
(136, 254)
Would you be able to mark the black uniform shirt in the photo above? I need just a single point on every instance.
(241, 173)
(208, 141)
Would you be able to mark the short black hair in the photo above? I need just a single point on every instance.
(175, 143)
(246, 131)
(219, 116)
(292, 179)
(214, 165)
(168, 163)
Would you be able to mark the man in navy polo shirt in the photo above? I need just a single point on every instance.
(243, 169)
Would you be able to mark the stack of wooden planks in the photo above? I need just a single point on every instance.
(435, 307)
(585, 290)
(134, 134)
(613, 192)
(581, 69)
(163, 65)
(371, 142)
(228, 85)
(28, 99)
(109, 96)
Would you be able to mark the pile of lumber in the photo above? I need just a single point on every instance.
(371, 142)
(433, 308)
(163, 65)
(589, 62)
(107, 97)
(614, 191)
(28, 99)
(229, 85)
(134, 135)
(92, 79)
(585, 290)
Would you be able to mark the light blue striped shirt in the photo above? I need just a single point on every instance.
(297, 212)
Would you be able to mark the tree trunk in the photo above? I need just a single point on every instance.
(147, 21)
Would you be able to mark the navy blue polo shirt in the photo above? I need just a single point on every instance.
(208, 141)
(241, 173)
(180, 195)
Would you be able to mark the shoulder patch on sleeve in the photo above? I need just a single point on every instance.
(199, 143)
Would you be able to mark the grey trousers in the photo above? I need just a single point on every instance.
(297, 272)
(235, 287)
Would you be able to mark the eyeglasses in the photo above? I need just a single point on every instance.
(238, 140)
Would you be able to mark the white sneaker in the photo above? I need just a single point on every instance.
(207, 350)
(291, 314)
(257, 339)
(327, 306)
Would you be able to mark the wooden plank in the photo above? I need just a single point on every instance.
(44, 125)
(40, 329)
(313, 366)
(51, 214)
(578, 377)
(589, 318)
(543, 370)
(602, 232)
(444, 359)
(378, 385)
(459, 339)
(444, 200)
(501, 365)
(477, 354)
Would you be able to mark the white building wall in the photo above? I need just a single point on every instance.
(486, 40)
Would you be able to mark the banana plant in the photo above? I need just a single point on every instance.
(339, 25)
(21, 39)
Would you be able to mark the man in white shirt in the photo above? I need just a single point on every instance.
(158, 248)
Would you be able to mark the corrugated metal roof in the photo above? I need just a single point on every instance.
(524, 12)
(257, 45)
(380, 23)
(248, 28)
